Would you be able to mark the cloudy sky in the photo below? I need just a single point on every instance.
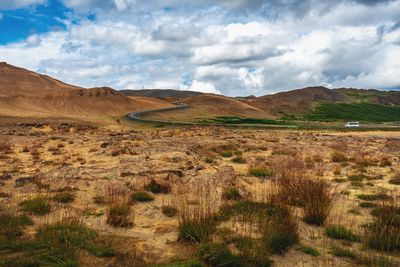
(233, 47)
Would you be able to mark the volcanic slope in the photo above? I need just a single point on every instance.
(26, 93)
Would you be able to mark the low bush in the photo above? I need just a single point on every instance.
(279, 234)
(57, 244)
(157, 188)
(118, 215)
(141, 197)
(195, 229)
(318, 198)
(232, 194)
(239, 160)
(227, 154)
(384, 231)
(218, 255)
(338, 157)
(341, 232)
(64, 198)
(37, 206)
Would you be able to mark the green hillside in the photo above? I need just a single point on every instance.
(355, 112)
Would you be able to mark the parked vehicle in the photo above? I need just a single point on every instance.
(352, 124)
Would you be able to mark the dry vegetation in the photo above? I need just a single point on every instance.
(78, 195)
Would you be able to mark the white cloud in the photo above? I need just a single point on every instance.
(200, 86)
(14, 4)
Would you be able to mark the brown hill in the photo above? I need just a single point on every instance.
(26, 93)
(295, 101)
(210, 106)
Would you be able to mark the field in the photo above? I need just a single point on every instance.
(79, 194)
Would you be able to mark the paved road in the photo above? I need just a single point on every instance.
(137, 116)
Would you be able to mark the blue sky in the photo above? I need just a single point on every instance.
(235, 47)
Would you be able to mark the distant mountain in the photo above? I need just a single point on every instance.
(161, 93)
(26, 93)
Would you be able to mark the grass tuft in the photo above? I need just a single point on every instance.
(37, 206)
(341, 232)
(118, 215)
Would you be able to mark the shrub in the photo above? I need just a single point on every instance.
(38, 206)
(196, 222)
(195, 229)
(169, 211)
(157, 188)
(341, 232)
(338, 157)
(239, 160)
(232, 194)
(318, 199)
(274, 219)
(227, 153)
(259, 172)
(64, 198)
(279, 234)
(384, 232)
(118, 215)
(217, 255)
(141, 197)
(309, 250)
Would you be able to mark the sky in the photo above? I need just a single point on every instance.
(230, 47)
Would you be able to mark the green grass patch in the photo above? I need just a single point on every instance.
(11, 225)
(239, 160)
(357, 111)
(341, 232)
(56, 244)
(260, 172)
(309, 251)
(64, 198)
(37, 206)
(141, 197)
(343, 252)
(227, 154)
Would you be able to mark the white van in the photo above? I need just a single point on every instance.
(352, 124)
